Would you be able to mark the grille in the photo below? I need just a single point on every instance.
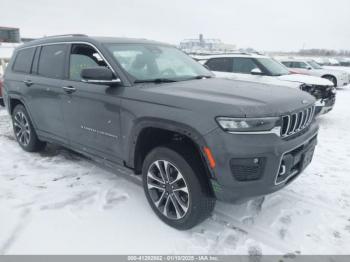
(296, 122)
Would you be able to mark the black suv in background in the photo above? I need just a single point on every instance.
(151, 108)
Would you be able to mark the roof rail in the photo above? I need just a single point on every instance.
(53, 36)
(218, 53)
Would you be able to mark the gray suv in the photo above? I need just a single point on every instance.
(149, 107)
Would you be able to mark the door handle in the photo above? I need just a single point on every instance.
(28, 82)
(69, 89)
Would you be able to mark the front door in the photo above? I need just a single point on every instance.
(91, 111)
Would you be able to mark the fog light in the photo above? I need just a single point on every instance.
(247, 169)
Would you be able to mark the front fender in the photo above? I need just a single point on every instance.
(165, 124)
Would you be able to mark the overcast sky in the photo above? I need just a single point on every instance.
(261, 24)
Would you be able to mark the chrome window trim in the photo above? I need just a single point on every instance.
(72, 42)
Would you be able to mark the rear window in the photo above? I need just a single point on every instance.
(23, 61)
(52, 58)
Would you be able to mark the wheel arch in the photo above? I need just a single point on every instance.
(141, 141)
(332, 76)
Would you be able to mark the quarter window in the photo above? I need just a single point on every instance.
(23, 60)
(51, 63)
(83, 56)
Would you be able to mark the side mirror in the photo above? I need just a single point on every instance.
(309, 68)
(256, 71)
(99, 75)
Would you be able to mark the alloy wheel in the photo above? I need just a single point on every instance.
(168, 189)
(21, 128)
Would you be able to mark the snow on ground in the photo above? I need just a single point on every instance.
(58, 202)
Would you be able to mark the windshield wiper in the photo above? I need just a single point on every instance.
(155, 80)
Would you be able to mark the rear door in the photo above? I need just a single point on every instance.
(45, 91)
(91, 111)
(18, 74)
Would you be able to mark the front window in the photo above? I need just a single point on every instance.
(275, 68)
(243, 65)
(83, 56)
(149, 62)
(314, 64)
(301, 65)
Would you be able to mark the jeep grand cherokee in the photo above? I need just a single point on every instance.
(151, 108)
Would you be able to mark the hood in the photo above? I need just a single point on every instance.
(306, 79)
(226, 97)
(271, 80)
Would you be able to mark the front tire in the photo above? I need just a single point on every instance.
(173, 189)
(24, 130)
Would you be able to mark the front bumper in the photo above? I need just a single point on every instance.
(323, 106)
(270, 149)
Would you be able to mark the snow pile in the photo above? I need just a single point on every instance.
(57, 202)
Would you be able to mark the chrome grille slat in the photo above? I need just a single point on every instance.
(300, 119)
(296, 122)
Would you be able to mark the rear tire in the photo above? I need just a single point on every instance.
(24, 131)
(174, 190)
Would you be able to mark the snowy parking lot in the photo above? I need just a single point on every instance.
(58, 202)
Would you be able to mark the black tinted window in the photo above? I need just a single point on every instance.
(299, 65)
(51, 63)
(287, 64)
(243, 65)
(220, 64)
(23, 60)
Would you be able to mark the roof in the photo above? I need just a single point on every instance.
(294, 59)
(90, 39)
(206, 57)
(8, 28)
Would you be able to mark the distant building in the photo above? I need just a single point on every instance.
(202, 44)
(9, 39)
(9, 35)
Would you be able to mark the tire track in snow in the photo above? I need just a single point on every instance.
(24, 219)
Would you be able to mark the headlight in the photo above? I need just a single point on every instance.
(263, 125)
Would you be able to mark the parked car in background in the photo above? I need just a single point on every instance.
(343, 62)
(1, 86)
(264, 69)
(149, 107)
(309, 67)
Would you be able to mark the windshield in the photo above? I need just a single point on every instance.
(275, 68)
(314, 64)
(150, 62)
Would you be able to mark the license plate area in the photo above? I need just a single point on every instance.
(296, 161)
(307, 158)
